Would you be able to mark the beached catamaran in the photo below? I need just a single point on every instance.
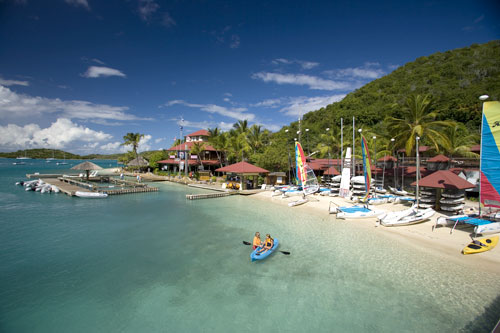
(489, 181)
(305, 176)
(359, 211)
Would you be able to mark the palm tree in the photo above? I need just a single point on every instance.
(417, 119)
(238, 146)
(255, 137)
(460, 141)
(241, 126)
(132, 139)
(197, 149)
(218, 140)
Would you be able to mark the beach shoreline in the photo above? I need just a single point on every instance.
(437, 242)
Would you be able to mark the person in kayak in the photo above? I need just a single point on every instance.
(256, 241)
(268, 244)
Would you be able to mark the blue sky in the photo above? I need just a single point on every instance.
(79, 74)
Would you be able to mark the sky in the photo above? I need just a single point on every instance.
(78, 75)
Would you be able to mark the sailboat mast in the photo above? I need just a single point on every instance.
(418, 169)
(353, 150)
(342, 143)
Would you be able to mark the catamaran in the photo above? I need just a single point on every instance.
(412, 215)
(305, 176)
(360, 211)
(489, 177)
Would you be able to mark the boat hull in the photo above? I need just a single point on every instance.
(254, 256)
(488, 244)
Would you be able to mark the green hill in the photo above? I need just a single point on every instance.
(455, 79)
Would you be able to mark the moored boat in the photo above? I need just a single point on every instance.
(92, 195)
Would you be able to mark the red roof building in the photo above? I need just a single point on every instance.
(242, 168)
(439, 159)
(444, 179)
(331, 171)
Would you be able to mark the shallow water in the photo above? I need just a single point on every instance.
(155, 262)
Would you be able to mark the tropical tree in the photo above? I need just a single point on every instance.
(241, 127)
(197, 149)
(417, 119)
(237, 147)
(460, 141)
(255, 137)
(132, 139)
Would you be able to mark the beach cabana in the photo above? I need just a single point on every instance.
(87, 167)
(276, 178)
(245, 171)
(139, 162)
(443, 180)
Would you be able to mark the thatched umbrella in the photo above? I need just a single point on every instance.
(87, 166)
(138, 162)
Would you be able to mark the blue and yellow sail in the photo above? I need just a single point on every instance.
(490, 155)
(367, 167)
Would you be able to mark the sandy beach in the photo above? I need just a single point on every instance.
(438, 242)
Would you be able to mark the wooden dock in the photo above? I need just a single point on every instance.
(65, 187)
(208, 195)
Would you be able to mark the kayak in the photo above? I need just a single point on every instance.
(254, 256)
(486, 244)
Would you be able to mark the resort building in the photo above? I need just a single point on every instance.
(195, 152)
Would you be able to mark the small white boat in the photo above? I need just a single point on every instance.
(377, 201)
(491, 228)
(298, 202)
(452, 200)
(96, 195)
(452, 208)
(380, 190)
(398, 191)
(358, 212)
(452, 195)
(407, 217)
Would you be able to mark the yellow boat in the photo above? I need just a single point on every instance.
(481, 245)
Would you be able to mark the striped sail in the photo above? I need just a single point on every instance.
(305, 175)
(367, 167)
(490, 155)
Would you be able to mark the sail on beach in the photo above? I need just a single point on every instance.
(490, 155)
(367, 168)
(305, 175)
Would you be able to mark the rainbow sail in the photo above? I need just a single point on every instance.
(300, 161)
(489, 192)
(367, 167)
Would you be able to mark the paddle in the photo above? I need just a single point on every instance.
(284, 252)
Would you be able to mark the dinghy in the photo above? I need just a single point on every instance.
(407, 217)
(92, 195)
(398, 191)
(491, 228)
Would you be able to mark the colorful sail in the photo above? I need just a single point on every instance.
(367, 167)
(300, 162)
(305, 175)
(490, 155)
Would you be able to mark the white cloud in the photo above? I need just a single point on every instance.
(98, 71)
(167, 20)
(300, 79)
(302, 63)
(113, 147)
(4, 82)
(82, 3)
(235, 42)
(297, 106)
(147, 8)
(370, 70)
(58, 135)
(14, 105)
(159, 140)
(235, 113)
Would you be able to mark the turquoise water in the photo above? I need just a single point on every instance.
(155, 262)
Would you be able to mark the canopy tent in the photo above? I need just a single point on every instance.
(87, 166)
(444, 179)
(244, 170)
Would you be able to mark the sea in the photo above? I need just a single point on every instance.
(156, 262)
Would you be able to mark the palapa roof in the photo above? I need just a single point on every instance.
(438, 158)
(139, 161)
(331, 171)
(86, 166)
(242, 168)
(444, 179)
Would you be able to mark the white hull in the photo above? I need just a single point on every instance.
(365, 214)
(398, 192)
(491, 228)
(414, 216)
(297, 203)
(452, 201)
(95, 195)
(452, 208)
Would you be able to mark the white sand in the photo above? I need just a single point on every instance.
(438, 242)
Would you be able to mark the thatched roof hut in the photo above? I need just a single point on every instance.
(87, 166)
(139, 162)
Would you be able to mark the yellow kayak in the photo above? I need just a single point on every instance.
(480, 245)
